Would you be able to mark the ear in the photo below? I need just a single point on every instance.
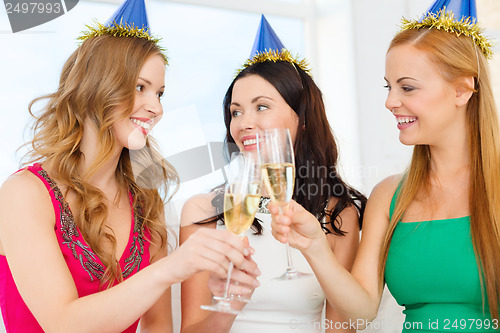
(464, 88)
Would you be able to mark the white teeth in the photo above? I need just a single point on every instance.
(144, 125)
(405, 120)
(249, 142)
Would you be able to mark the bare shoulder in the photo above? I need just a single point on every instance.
(384, 190)
(25, 204)
(23, 189)
(198, 208)
(377, 207)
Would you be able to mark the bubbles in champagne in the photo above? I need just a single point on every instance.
(279, 179)
(239, 211)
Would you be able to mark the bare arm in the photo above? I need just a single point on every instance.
(27, 217)
(354, 295)
(195, 291)
(344, 248)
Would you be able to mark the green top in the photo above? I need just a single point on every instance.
(431, 270)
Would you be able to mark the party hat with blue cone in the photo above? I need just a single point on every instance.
(460, 8)
(268, 47)
(453, 16)
(266, 39)
(131, 13)
(129, 20)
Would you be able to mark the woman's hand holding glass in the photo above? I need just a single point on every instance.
(209, 250)
(243, 281)
(296, 226)
(241, 200)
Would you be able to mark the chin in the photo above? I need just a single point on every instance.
(407, 141)
(136, 141)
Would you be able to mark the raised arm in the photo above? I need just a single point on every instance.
(344, 248)
(44, 281)
(354, 295)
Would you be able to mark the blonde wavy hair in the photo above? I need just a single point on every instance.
(458, 57)
(98, 78)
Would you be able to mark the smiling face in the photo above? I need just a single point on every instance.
(422, 101)
(131, 132)
(257, 105)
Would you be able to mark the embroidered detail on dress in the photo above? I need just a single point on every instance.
(136, 250)
(83, 253)
(264, 201)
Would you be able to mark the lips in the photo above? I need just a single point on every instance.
(405, 121)
(143, 124)
(249, 142)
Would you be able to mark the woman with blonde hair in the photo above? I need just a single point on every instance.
(83, 240)
(433, 233)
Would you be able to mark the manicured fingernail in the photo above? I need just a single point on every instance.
(257, 272)
(246, 290)
(245, 252)
(256, 283)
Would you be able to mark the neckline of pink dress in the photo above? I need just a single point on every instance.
(127, 259)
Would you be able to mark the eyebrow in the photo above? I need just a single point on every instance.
(402, 78)
(253, 100)
(258, 97)
(149, 82)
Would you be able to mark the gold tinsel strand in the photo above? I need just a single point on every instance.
(121, 30)
(275, 56)
(446, 21)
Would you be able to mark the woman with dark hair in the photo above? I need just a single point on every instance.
(275, 91)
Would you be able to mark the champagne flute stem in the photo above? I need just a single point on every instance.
(289, 261)
(289, 267)
(228, 281)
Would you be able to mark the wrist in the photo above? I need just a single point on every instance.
(319, 244)
(165, 273)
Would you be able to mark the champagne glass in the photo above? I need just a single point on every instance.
(278, 172)
(241, 200)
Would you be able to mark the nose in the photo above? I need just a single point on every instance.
(393, 101)
(153, 105)
(248, 121)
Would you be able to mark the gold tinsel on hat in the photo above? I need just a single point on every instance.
(276, 56)
(446, 21)
(121, 30)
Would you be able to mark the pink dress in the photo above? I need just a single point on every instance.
(84, 265)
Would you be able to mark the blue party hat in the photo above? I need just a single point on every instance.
(129, 20)
(131, 13)
(268, 47)
(266, 39)
(453, 16)
(460, 8)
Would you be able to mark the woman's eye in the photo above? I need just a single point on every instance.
(262, 107)
(159, 94)
(235, 113)
(388, 87)
(407, 88)
(139, 87)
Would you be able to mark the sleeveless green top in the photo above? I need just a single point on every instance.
(431, 270)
